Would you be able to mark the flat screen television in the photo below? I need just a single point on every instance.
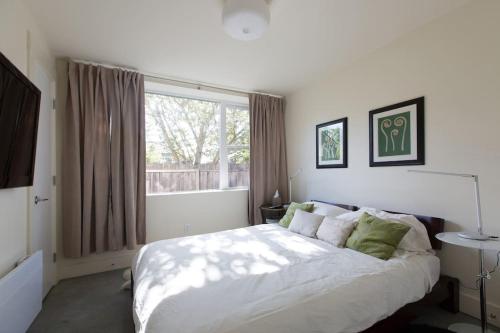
(19, 112)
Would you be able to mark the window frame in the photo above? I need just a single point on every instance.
(223, 153)
(223, 146)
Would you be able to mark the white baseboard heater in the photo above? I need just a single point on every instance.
(21, 295)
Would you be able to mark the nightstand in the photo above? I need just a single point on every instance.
(272, 215)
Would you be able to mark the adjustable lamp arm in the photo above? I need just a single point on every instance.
(475, 178)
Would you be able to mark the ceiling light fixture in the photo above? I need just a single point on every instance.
(246, 19)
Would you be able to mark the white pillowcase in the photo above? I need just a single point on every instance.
(335, 231)
(355, 216)
(325, 209)
(305, 223)
(416, 239)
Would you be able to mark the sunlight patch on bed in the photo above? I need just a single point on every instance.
(262, 268)
(297, 244)
(200, 262)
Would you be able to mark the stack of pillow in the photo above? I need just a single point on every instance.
(370, 231)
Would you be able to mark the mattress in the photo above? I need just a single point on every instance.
(267, 279)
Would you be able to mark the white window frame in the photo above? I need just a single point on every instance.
(223, 146)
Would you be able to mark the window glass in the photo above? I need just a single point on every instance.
(184, 147)
(237, 144)
(239, 165)
(237, 125)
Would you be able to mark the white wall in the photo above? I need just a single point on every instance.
(15, 22)
(455, 63)
(168, 216)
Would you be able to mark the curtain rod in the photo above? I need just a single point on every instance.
(178, 81)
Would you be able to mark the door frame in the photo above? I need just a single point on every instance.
(30, 193)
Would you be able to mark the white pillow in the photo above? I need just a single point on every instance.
(325, 209)
(416, 239)
(305, 223)
(335, 231)
(355, 216)
(369, 210)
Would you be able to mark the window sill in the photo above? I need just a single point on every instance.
(236, 189)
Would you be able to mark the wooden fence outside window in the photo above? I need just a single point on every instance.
(164, 181)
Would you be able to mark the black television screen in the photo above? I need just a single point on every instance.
(19, 111)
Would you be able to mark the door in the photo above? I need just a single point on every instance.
(41, 227)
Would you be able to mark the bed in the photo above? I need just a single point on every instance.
(267, 279)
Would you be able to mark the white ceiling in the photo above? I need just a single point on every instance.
(185, 39)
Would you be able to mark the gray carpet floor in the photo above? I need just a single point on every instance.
(92, 303)
(95, 303)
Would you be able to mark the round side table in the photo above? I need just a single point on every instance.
(481, 246)
(272, 213)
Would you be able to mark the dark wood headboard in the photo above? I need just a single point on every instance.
(348, 207)
(434, 225)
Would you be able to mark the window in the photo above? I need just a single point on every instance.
(195, 144)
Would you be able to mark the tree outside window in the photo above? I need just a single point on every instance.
(194, 144)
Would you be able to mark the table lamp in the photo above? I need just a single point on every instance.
(475, 240)
(468, 235)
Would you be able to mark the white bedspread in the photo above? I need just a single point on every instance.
(267, 279)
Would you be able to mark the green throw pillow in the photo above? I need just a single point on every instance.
(376, 237)
(285, 220)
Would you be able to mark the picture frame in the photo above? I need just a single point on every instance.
(397, 134)
(331, 144)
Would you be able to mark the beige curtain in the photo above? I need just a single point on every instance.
(103, 176)
(268, 169)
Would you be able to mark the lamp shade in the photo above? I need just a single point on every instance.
(246, 19)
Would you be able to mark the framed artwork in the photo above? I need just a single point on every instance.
(331, 144)
(397, 134)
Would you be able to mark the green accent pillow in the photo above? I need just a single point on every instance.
(285, 220)
(376, 237)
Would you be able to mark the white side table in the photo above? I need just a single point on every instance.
(488, 245)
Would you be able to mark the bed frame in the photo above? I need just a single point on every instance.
(445, 293)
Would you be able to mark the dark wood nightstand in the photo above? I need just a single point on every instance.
(275, 214)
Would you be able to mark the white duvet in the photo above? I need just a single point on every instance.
(267, 279)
